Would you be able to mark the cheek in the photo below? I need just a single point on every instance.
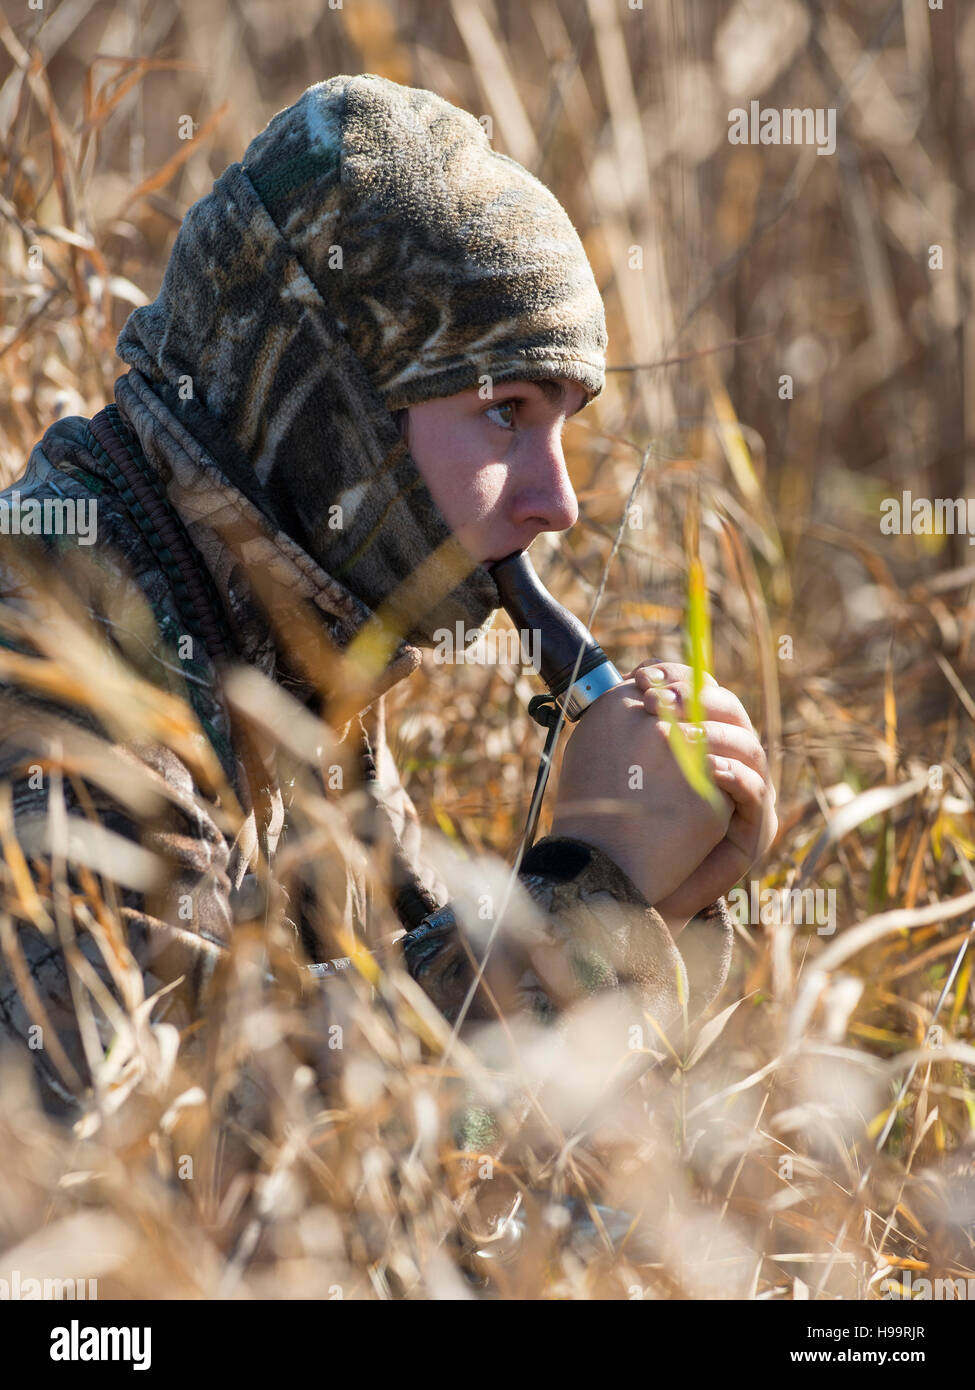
(471, 496)
(450, 459)
(480, 487)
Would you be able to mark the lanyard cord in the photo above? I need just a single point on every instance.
(545, 710)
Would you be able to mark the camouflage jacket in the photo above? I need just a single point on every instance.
(88, 783)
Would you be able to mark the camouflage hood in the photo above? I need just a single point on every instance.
(371, 251)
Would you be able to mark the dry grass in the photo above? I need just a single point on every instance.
(801, 1141)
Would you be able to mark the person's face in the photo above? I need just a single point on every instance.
(495, 467)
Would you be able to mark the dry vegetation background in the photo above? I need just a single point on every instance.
(815, 1139)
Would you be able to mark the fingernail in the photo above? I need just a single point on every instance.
(720, 764)
(665, 697)
(655, 674)
(693, 732)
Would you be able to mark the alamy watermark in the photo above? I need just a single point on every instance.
(77, 1343)
(805, 125)
(18, 1289)
(502, 647)
(49, 516)
(772, 907)
(949, 1290)
(908, 515)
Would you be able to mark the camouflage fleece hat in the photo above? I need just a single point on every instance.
(370, 251)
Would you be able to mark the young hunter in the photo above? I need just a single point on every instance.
(302, 442)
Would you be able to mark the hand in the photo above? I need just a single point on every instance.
(739, 767)
(621, 789)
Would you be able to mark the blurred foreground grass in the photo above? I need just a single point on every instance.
(788, 351)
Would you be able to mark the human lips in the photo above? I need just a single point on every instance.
(496, 559)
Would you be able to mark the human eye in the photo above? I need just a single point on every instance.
(510, 405)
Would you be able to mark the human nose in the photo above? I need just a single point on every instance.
(545, 497)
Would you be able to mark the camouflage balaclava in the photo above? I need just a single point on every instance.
(369, 252)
